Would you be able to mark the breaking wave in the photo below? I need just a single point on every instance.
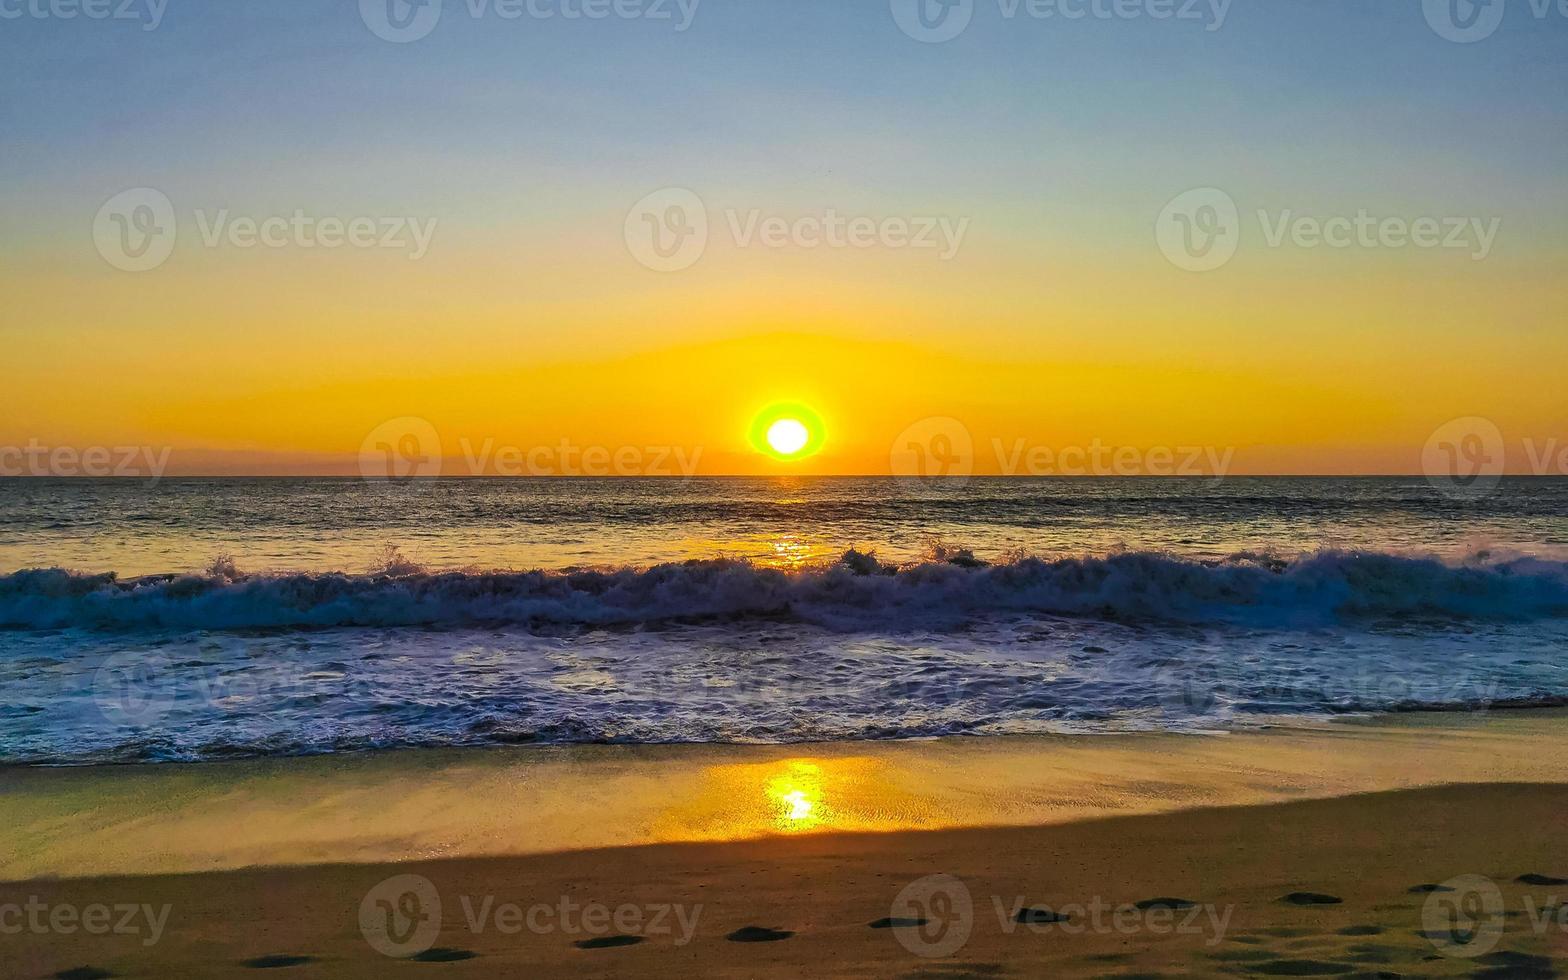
(857, 592)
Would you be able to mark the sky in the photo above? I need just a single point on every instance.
(640, 232)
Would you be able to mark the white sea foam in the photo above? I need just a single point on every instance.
(856, 593)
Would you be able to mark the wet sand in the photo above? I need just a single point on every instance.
(1052, 887)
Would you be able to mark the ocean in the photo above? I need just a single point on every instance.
(198, 619)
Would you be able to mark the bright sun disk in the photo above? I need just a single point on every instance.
(788, 436)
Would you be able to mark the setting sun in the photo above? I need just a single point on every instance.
(788, 436)
(787, 432)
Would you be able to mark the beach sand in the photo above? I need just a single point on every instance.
(1473, 805)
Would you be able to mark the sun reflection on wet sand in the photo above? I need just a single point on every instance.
(794, 796)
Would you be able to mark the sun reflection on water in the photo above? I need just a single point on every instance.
(796, 797)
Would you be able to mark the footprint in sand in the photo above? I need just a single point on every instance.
(897, 923)
(1428, 889)
(1301, 968)
(1515, 966)
(277, 961)
(1164, 903)
(607, 942)
(1042, 915)
(758, 934)
(443, 954)
(1535, 879)
(1310, 898)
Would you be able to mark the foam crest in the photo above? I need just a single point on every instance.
(855, 593)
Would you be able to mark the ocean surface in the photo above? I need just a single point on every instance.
(206, 619)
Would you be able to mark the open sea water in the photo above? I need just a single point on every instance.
(196, 619)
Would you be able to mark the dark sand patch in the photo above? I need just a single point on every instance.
(758, 934)
(276, 961)
(1164, 903)
(607, 942)
(1039, 915)
(1310, 898)
(1535, 879)
(443, 954)
(1359, 931)
(888, 923)
(1302, 968)
(1427, 889)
